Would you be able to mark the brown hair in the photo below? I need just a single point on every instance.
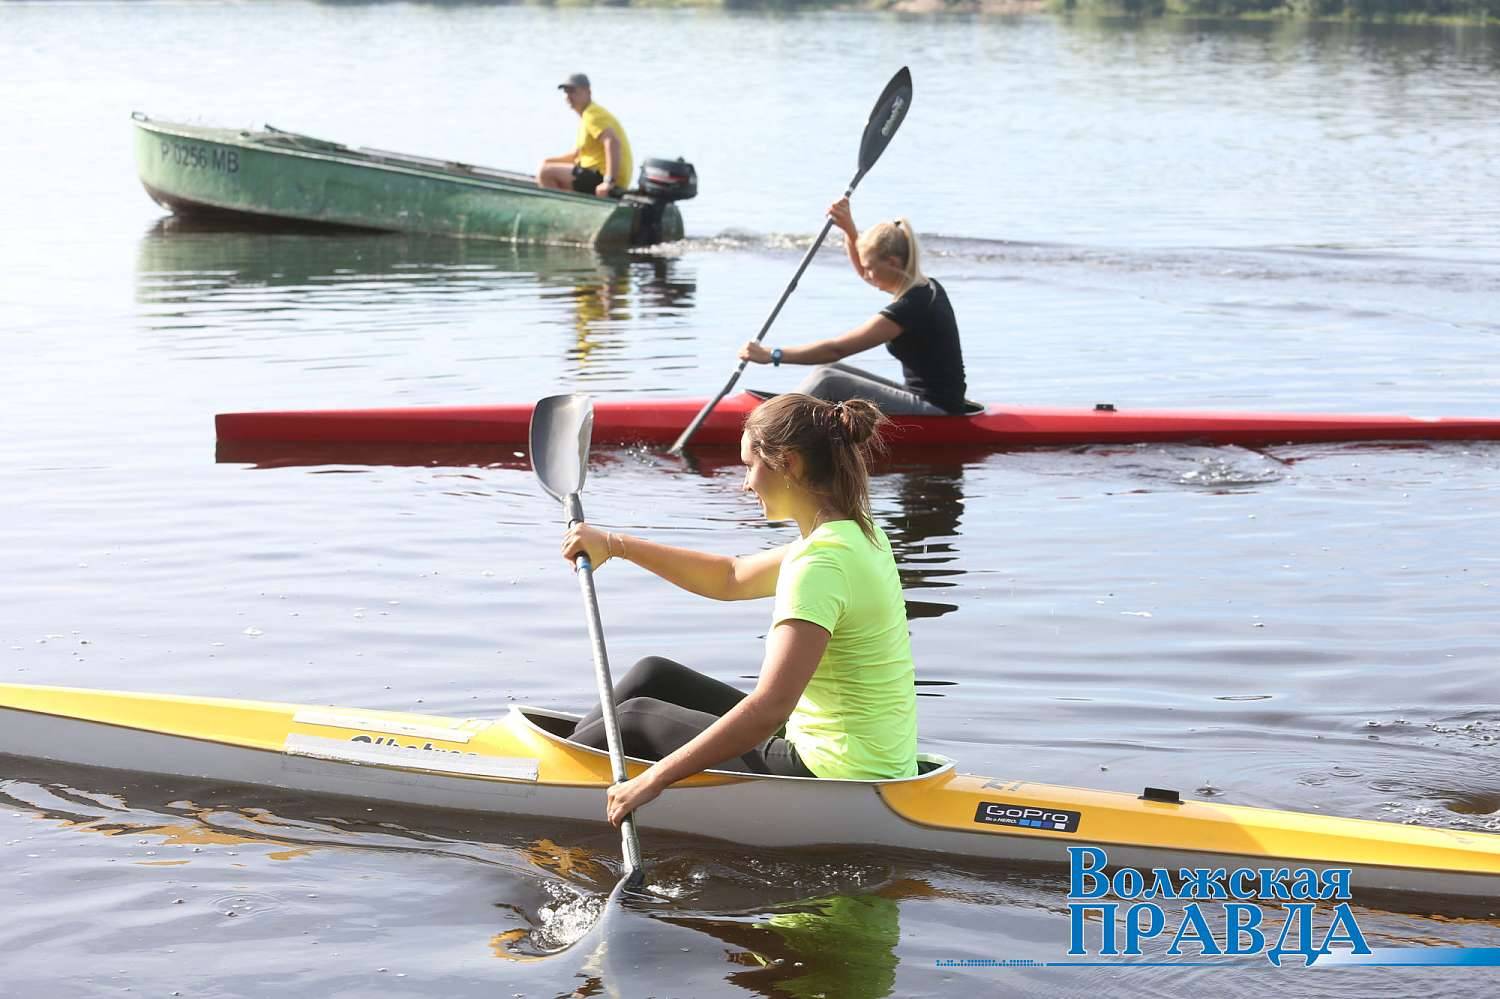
(899, 240)
(836, 441)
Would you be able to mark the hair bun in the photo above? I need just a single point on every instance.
(857, 419)
(835, 441)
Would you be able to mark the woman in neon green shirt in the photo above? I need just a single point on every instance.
(837, 672)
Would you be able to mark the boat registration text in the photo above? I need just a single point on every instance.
(201, 157)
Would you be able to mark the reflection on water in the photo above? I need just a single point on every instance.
(596, 300)
(193, 276)
(551, 899)
(520, 904)
(924, 528)
(919, 504)
(172, 813)
(834, 945)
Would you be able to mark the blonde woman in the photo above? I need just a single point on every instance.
(917, 327)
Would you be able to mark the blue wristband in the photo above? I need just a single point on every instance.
(776, 358)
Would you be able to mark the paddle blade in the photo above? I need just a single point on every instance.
(561, 428)
(890, 111)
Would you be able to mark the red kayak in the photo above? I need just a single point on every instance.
(658, 422)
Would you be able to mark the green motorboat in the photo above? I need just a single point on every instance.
(278, 177)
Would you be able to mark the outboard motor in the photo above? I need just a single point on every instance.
(661, 183)
(669, 180)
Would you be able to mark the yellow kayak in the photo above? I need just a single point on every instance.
(521, 764)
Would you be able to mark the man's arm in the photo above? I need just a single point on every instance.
(611, 160)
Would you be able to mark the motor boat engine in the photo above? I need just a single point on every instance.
(661, 182)
(669, 180)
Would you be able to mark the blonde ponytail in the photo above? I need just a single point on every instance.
(897, 239)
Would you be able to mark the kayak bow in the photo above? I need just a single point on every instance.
(658, 422)
(520, 764)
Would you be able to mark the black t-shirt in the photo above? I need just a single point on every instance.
(932, 362)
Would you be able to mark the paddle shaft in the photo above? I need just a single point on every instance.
(692, 428)
(630, 844)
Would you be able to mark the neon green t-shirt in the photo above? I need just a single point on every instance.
(591, 125)
(857, 719)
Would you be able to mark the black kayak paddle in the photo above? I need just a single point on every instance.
(889, 112)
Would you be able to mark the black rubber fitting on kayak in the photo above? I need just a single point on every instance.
(1161, 794)
(1104, 407)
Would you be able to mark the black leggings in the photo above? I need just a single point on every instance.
(664, 705)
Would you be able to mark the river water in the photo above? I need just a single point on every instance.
(1183, 214)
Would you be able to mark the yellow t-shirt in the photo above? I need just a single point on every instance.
(591, 125)
(857, 719)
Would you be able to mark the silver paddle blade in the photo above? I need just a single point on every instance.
(561, 428)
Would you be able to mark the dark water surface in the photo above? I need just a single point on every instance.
(1233, 217)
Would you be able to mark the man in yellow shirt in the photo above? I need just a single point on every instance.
(599, 162)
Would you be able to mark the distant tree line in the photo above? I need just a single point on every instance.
(1415, 10)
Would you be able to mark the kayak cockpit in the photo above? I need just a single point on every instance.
(556, 726)
(971, 408)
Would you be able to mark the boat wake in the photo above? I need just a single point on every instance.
(555, 926)
(1178, 466)
(1343, 265)
(1209, 469)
